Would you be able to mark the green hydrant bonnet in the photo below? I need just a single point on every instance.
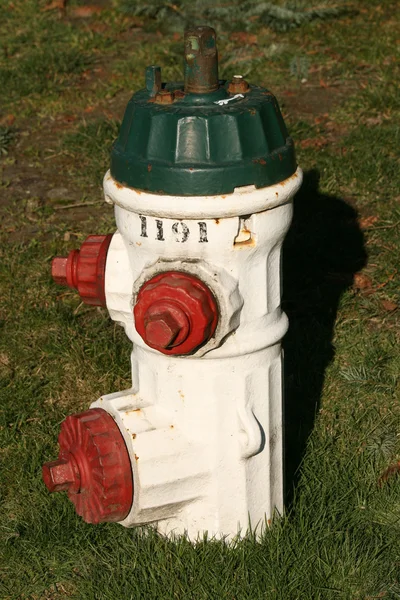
(206, 141)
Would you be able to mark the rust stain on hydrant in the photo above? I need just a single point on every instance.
(244, 239)
(134, 410)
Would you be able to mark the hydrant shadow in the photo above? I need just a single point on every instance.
(323, 250)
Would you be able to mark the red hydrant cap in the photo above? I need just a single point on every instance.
(175, 312)
(85, 269)
(93, 466)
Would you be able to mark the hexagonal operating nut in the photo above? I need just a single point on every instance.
(61, 474)
(59, 268)
(161, 329)
(238, 85)
(164, 97)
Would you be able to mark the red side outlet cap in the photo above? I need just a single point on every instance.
(93, 466)
(84, 269)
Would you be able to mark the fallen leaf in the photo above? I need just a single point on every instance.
(367, 222)
(390, 278)
(362, 282)
(331, 125)
(98, 27)
(56, 4)
(389, 306)
(392, 470)
(31, 209)
(83, 12)
(321, 118)
(388, 60)
(336, 57)
(243, 37)
(4, 359)
(7, 120)
(69, 118)
(174, 7)
(374, 120)
(313, 143)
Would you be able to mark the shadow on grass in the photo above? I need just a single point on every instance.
(322, 251)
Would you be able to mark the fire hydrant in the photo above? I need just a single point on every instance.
(202, 179)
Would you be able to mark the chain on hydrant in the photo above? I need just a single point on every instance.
(202, 179)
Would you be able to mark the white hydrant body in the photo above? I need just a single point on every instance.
(202, 180)
(204, 432)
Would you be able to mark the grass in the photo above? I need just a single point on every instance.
(6, 137)
(65, 82)
(280, 16)
(94, 140)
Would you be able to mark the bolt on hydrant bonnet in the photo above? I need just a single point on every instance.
(202, 178)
